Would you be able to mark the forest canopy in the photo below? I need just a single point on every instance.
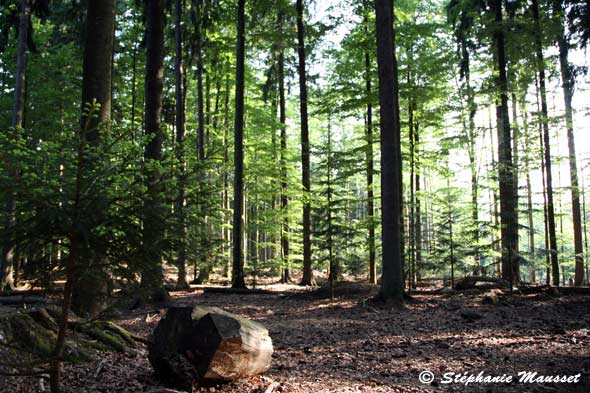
(304, 140)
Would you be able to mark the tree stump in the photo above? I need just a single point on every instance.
(208, 344)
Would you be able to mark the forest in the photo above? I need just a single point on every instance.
(294, 195)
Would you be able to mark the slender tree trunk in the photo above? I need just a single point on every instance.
(545, 204)
(283, 160)
(152, 274)
(509, 231)
(411, 236)
(417, 213)
(516, 158)
(527, 159)
(585, 225)
(6, 279)
(370, 160)
(392, 281)
(181, 282)
(205, 267)
(452, 245)
(496, 213)
(568, 91)
(471, 137)
(226, 127)
(58, 351)
(307, 278)
(333, 274)
(133, 93)
(547, 147)
(238, 257)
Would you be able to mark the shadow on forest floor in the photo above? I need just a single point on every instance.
(346, 345)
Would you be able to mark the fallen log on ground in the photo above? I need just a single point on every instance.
(207, 344)
(481, 282)
(532, 289)
(237, 291)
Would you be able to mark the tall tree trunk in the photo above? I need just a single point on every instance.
(495, 210)
(369, 165)
(307, 278)
(547, 146)
(205, 267)
(133, 92)
(515, 164)
(417, 213)
(238, 256)
(471, 138)
(527, 160)
(226, 219)
(509, 231)
(152, 274)
(411, 271)
(392, 281)
(90, 291)
(568, 92)
(181, 282)
(85, 290)
(6, 279)
(283, 160)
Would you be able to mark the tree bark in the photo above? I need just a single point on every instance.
(547, 151)
(152, 274)
(283, 160)
(568, 91)
(90, 291)
(392, 282)
(238, 256)
(181, 282)
(509, 231)
(307, 278)
(530, 220)
(370, 169)
(6, 279)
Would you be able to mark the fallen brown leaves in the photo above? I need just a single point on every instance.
(347, 345)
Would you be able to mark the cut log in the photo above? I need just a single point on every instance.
(481, 282)
(208, 344)
(237, 291)
(556, 291)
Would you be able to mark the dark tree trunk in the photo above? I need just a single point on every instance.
(411, 271)
(152, 274)
(226, 127)
(238, 257)
(6, 280)
(545, 209)
(392, 281)
(205, 268)
(417, 212)
(527, 159)
(91, 288)
(369, 160)
(283, 120)
(568, 91)
(305, 154)
(509, 231)
(181, 282)
(133, 93)
(547, 153)
(471, 138)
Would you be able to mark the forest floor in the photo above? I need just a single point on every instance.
(350, 345)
